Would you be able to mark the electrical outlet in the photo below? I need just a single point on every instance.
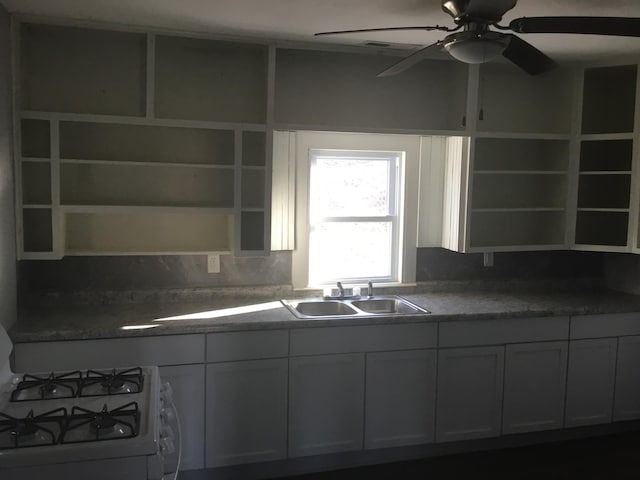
(213, 263)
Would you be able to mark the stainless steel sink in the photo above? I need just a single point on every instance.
(323, 308)
(352, 306)
(387, 305)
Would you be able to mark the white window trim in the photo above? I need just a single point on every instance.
(307, 141)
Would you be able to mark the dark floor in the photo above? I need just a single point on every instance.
(611, 457)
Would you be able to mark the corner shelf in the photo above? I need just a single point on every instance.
(606, 160)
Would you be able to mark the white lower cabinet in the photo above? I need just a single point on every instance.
(326, 404)
(469, 403)
(187, 384)
(246, 412)
(400, 398)
(627, 396)
(534, 386)
(590, 381)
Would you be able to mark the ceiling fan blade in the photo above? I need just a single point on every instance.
(411, 60)
(427, 28)
(490, 10)
(618, 26)
(527, 57)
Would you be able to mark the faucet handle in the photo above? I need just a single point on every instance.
(370, 288)
(340, 289)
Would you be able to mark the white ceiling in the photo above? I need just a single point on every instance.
(299, 19)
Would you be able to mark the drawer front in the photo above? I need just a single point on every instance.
(498, 332)
(605, 325)
(363, 338)
(111, 352)
(233, 346)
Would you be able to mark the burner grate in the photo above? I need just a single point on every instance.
(89, 426)
(53, 386)
(32, 430)
(114, 382)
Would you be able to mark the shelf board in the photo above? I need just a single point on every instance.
(520, 172)
(146, 164)
(523, 136)
(160, 122)
(622, 210)
(606, 172)
(102, 253)
(519, 209)
(142, 209)
(607, 136)
(516, 248)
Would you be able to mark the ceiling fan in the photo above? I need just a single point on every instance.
(472, 40)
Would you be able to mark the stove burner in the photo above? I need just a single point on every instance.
(46, 388)
(32, 430)
(103, 421)
(24, 427)
(88, 426)
(112, 382)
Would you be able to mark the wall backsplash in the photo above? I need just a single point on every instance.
(441, 264)
(190, 271)
(621, 271)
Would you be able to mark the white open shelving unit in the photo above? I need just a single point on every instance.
(604, 218)
(513, 188)
(140, 143)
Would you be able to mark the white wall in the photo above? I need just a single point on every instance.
(7, 213)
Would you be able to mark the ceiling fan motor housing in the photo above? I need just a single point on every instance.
(486, 11)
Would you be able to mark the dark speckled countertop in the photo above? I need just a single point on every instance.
(160, 312)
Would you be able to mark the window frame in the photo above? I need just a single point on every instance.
(305, 142)
(395, 162)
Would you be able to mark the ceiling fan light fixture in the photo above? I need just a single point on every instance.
(474, 48)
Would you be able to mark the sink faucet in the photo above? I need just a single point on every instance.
(370, 289)
(341, 289)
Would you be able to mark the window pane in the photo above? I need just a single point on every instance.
(343, 187)
(347, 250)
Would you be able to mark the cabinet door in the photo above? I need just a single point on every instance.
(187, 383)
(326, 395)
(590, 381)
(534, 386)
(246, 412)
(400, 398)
(627, 397)
(469, 403)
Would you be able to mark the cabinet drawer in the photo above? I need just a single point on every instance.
(605, 325)
(363, 338)
(497, 332)
(233, 346)
(107, 353)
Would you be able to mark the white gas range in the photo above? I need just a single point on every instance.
(98, 424)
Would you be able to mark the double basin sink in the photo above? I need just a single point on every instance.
(337, 307)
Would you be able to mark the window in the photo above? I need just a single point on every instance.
(355, 209)
(354, 216)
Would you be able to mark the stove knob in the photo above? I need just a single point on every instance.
(166, 432)
(166, 446)
(167, 415)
